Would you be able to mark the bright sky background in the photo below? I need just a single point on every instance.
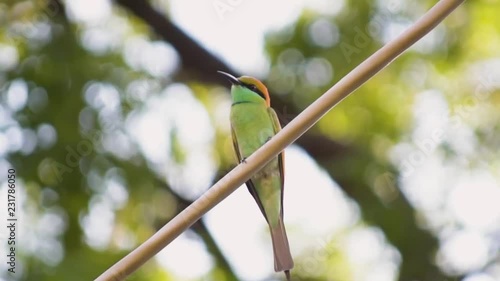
(237, 33)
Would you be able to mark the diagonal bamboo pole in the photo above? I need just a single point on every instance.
(298, 126)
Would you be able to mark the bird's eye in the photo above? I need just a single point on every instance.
(252, 87)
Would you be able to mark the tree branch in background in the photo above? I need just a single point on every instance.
(194, 57)
(200, 228)
(204, 66)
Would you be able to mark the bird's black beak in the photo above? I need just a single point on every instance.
(231, 78)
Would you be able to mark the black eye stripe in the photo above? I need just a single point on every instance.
(254, 89)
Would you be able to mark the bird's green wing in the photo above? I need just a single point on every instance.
(235, 144)
(281, 156)
(249, 183)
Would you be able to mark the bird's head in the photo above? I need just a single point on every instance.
(251, 84)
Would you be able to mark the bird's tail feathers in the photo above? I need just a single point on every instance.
(282, 257)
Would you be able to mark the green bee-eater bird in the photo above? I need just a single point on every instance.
(253, 123)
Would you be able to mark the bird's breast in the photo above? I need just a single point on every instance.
(252, 126)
